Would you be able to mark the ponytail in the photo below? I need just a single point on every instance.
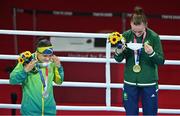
(138, 16)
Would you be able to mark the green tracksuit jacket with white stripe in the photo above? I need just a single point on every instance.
(149, 63)
(33, 103)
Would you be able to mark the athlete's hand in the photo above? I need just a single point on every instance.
(148, 49)
(30, 66)
(56, 60)
(120, 48)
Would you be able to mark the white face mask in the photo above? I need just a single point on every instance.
(44, 64)
(134, 46)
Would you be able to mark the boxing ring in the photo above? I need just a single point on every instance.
(108, 60)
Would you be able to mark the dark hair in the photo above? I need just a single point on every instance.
(43, 43)
(138, 16)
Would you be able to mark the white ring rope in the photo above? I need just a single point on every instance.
(99, 85)
(108, 85)
(83, 59)
(59, 34)
(91, 108)
(71, 34)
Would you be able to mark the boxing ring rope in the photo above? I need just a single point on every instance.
(108, 85)
(99, 85)
(87, 60)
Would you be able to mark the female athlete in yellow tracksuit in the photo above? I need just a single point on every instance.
(37, 77)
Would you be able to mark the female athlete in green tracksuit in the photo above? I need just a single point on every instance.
(141, 67)
(37, 77)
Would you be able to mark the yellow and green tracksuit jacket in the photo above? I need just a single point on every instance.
(33, 103)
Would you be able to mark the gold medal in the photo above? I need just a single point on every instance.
(136, 68)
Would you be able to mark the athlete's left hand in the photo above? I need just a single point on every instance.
(148, 49)
(56, 60)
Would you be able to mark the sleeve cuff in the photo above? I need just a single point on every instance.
(118, 51)
(152, 54)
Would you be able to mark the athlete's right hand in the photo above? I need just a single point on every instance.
(30, 66)
(120, 49)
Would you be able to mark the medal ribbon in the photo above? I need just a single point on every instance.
(137, 53)
(44, 81)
